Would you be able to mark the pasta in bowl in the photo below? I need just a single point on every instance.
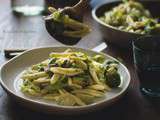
(14, 72)
(71, 78)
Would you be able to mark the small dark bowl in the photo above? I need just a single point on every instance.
(114, 35)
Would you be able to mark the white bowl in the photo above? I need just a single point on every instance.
(11, 70)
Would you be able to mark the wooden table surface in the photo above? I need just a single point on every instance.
(29, 32)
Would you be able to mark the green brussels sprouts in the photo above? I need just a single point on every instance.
(113, 79)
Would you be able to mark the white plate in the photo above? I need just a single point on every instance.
(10, 81)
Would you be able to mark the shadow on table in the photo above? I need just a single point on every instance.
(131, 107)
(20, 113)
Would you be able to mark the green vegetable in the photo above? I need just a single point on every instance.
(99, 58)
(112, 78)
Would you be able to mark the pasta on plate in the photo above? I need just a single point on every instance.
(71, 78)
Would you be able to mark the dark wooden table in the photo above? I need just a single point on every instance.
(29, 32)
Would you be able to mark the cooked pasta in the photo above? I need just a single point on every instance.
(65, 25)
(71, 78)
(132, 16)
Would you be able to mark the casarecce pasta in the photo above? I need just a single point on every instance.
(71, 78)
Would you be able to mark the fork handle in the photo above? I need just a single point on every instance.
(78, 9)
(10, 53)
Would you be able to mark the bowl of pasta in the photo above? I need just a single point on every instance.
(120, 22)
(64, 80)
